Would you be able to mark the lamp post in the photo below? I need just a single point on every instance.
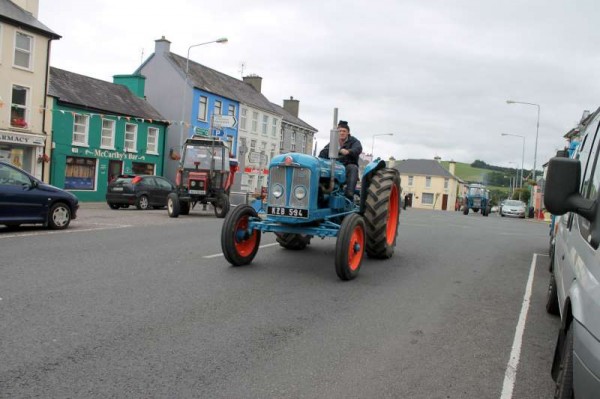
(531, 200)
(522, 155)
(373, 142)
(222, 40)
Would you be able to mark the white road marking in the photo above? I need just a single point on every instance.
(71, 230)
(217, 255)
(510, 375)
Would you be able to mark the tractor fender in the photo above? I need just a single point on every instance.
(370, 170)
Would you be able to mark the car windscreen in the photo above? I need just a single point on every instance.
(202, 155)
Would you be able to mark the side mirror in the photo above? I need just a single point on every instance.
(562, 189)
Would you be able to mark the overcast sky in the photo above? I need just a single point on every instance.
(436, 74)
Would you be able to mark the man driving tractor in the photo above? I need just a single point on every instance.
(350, 149)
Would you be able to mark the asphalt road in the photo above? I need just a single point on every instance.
(133, 304)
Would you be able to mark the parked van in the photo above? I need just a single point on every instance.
(572, 189)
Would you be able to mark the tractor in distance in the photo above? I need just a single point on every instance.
(205, 175)
(305, 198)
(477, 197)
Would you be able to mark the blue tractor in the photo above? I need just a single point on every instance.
(305, 198)
(477, 198)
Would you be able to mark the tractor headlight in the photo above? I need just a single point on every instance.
(193, 183)
(300, 192)
(277, 190)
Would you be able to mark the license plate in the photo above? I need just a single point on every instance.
(292, 212)
(117, 189)
(197, 192)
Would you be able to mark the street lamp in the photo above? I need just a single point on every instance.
(522, 155)
(373, 142)
(221, 40)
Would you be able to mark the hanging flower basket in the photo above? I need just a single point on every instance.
(43, 158)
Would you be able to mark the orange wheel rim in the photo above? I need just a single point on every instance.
(392, 216)
(356, 248)
(244, 245)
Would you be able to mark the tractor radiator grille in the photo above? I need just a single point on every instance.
(277, 177)
(300, 177)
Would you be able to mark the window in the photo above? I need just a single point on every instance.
(218, 108)
(202, 108)
(410, 180)
(23, 49)
(254, 121)
(19, 110)
(446, 183)
(139, 168)
(427, 199)
(274, 127)
(252, 145)
(293, 142)
(272, 151)
(80, 173)
(80, 129)
(12, 177)
(107, 139)
(231, 110)
(281, 142)
(243, 113)
(130, 137)
(304, 143)
(263, 145)
(428, 181)
(265, 122)
(152, 141)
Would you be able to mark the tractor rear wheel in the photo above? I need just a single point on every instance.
(382, 210)
(239, 244)
(350, 247)
(293, 241)
(221, 205)
(173, 207)
(184, 207)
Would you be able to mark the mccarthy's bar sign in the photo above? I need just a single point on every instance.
(115, 155)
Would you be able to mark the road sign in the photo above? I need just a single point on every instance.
(220, 121)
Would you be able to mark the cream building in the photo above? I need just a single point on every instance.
(428, 185)
(24, 65)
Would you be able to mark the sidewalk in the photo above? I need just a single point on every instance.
(93, 205)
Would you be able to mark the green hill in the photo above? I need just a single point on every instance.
(468, 173)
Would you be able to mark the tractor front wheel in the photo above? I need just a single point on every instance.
(173, 205)
(382, 210)
(221, 205)
(293, 241)
(350, 247)
(238, 242)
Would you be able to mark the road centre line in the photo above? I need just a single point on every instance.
(510, 375)
(217, 255)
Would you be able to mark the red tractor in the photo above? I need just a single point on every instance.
(205, 175)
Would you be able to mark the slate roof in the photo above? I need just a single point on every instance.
(15, 15)
(289, 118)
(212, 81)
(96, 94)
(427, 167)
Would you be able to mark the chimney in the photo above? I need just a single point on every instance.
(31, 6)
(438, 158)
(162, 46)
(254, 81)
(135, 83)
(452, 167)
(292, 106)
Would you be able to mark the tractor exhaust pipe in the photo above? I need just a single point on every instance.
(334, 149)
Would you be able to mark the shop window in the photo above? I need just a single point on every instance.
(152, 141)
(108, 134)
(80, 129)
(130, 137)
(139, 168)
(80, 173)
(18, 110)
(427, 199)
(23, 49)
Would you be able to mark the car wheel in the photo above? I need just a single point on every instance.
(59, 216)
(173, 207)
(114, 206)
(564, 380)
(142, 202)
(552, 297)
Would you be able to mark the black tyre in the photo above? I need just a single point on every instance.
(221, 205)
(173, 207)
(350, 247)
(564, 380)
(382, 210)
(465, 210)
(239, 244)
(293, 241)
(59, 216)
(114, 206)
(552, 297)
(142, 202)
(184, 207)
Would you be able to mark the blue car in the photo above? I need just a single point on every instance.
(25, 199)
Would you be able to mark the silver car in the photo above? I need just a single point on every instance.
(513, 208)
(572, 189)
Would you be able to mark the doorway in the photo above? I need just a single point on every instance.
(114, 169)
(444, 202)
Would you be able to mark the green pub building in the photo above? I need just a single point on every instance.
(100, 130)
